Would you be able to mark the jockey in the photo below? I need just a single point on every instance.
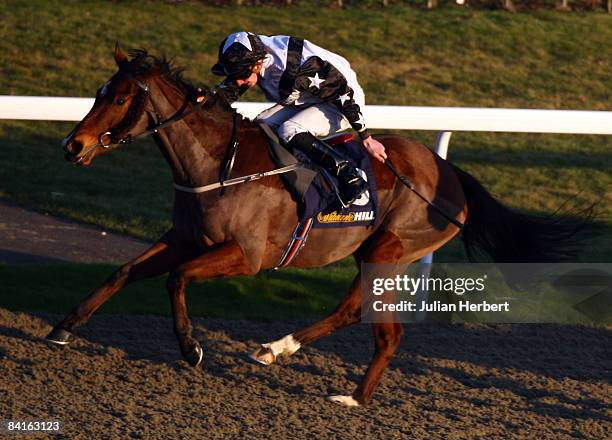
(316, 94)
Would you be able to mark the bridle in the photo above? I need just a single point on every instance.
(108, 139)
(200, 99)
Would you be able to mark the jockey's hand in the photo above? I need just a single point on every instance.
(375, 148)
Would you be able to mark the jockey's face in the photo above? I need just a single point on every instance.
(251, 80)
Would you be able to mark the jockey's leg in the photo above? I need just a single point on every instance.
(319, 119)
(300, 131)
(276, 115)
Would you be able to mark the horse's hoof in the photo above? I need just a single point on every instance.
(343, 400)
(59, 336)
(194, 358)
(263, 355)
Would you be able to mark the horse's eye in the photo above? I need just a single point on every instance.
(120, 101)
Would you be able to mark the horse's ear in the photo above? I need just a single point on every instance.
(120, 57)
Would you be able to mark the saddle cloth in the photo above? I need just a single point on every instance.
(313, 191)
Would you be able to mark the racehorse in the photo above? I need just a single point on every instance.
(245, 230)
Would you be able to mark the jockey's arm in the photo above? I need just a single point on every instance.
(322, 79)
(231, 91)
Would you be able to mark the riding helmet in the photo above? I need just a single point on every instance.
(237, 60)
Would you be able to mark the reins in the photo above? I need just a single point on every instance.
(411, 187)
(226, 168)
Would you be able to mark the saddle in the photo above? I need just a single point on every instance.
(315, 191)
(307, 178)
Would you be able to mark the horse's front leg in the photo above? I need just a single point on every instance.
(227, 259)
(161, 257)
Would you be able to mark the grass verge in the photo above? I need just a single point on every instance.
(289, 295)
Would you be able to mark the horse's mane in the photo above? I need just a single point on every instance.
(142, 63)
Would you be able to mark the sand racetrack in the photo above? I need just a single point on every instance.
(123, 378)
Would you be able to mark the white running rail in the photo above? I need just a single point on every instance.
(445, 120)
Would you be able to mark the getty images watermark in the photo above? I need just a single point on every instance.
(412, 285)
(489, 293)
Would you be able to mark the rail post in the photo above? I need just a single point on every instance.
(441, 149)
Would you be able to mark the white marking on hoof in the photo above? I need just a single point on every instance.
(287, 346)
(343, 400)
(53, 341)
(200, 353)
(263, 356)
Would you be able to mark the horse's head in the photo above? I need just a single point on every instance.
(118, 113)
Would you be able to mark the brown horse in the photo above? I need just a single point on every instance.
(247, 229)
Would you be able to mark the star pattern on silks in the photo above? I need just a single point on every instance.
(315, 81)
(344, 98)
(360, 121)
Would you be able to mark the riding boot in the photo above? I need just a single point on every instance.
(351, 184)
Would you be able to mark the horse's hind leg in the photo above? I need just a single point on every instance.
(158, 259)
(387, 337)
(386, 247)
(347, 313)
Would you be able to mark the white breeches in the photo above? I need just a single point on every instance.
(319, 119)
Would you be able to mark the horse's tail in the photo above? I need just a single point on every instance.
(508, 236)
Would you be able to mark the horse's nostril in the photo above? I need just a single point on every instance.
(74, 147)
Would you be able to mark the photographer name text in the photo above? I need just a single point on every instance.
(438, 306)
